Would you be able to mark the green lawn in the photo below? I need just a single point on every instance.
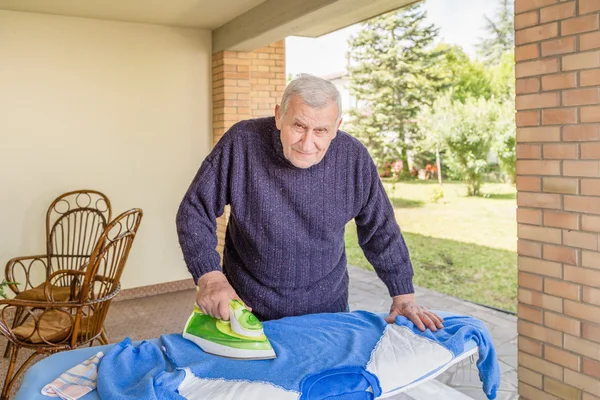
(462, 246)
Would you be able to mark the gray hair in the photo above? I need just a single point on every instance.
(315, 92)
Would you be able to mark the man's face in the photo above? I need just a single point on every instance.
(306, 132)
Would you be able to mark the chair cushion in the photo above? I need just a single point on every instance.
(60, 293)
(54, 327)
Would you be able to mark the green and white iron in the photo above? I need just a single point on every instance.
(242, 337)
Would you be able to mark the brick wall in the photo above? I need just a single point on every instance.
(558, 166)
(245, 85)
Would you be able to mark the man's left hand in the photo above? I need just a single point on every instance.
(406, 306)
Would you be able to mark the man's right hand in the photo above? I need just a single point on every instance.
(214, 294)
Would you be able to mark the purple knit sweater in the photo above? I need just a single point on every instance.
(284, 246)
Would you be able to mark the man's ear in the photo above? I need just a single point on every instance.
(339, 123)
(278, 116)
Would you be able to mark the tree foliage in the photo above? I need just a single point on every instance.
(500, 29)
(392, 75)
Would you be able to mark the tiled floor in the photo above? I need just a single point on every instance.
(138, 320)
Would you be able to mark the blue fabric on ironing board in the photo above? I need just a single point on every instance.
(457, 331)
(314, 344)
(304, 346)
(137, 372)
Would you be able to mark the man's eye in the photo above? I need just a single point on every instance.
(298, 126)
(320, 131)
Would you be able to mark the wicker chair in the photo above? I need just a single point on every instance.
(51, 325)
(74, 222)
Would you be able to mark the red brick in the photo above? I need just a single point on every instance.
(584, 276)
(548, 235)
(581, 24)
(561, 390)
(527, 85)
(560, 151)
(559, 81)
(590, 151)
(559, 11)
(562, 323)
(560, 185)
(561, 220)
(558, 46)
(536, 33)
(592, 296)
(543, 100)
(529, 313)
(538, 134)
(581, 97)
(530, 281)
(590, 187)
(590, 78)
(537, 266)
(590, 223)
(526, 20)
(526, 52)
(530, 377)
(537, 67)
(582, 346)
(560, 254)
(538, 200)
(562, 289)
(590, 331)
(581, 133)
(541, 300)
(528, 183)
(527, 392)
(526, 5)
(590, 114)
(589, 169)
(530, 249)
(589, 41)
(530, 346)
(559, 116)
(582, 382)
(561, 357)
(586, 6)
(536, 364)
(591, 367)
(590, 259)
(529, 216)
(590, 59)
(539, 333)
(533, 167)
(581, 240)
(528, 118)
(529, 151)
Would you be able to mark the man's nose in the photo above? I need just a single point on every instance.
(308, 141)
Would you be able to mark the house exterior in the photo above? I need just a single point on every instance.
(128, 97)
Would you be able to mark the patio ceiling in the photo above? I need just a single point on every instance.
(242, 25)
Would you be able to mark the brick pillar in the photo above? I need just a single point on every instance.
(245, 85)
(558, 151)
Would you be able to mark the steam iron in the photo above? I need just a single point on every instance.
(242, 337)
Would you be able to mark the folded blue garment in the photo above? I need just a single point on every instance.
(354, 356)
(127, 372)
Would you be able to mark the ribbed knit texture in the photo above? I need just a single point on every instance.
(284, 247)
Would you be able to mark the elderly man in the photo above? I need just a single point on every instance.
(293, 183)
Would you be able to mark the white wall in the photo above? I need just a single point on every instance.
(123, 108)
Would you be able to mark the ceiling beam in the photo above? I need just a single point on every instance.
(273, 20)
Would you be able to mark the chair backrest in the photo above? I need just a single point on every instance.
(74, 223)
(102, 278)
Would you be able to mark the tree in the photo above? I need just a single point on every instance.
(470, 129)
(501, 33)
(462, 76)
(506, 141)
(392, 74)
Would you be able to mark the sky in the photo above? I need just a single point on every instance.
(460, 21)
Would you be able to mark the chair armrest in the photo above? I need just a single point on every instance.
(26, 264)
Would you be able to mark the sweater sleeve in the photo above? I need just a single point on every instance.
(380, 238)
(202, 204)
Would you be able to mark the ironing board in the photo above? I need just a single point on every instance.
(51, 367)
